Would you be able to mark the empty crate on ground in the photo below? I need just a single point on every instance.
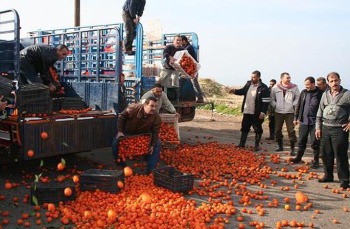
(170, 178)
(52, 192)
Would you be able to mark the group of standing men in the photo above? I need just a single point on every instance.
(322, 111)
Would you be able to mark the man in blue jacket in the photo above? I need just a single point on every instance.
(132, 12)
(254, 107)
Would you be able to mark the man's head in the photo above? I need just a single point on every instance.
(62, 52)
(150, 105)
(157, 90)
(321, 83)
(285, 78)
(255, 77)
(334, 81)
(272, 83)
(184, 40)
(309, 83)
(177, 42)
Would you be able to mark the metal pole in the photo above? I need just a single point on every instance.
(76, 13)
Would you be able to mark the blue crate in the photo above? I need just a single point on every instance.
(147, 83)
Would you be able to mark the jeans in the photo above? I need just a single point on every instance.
(196, 87)
(152, 160)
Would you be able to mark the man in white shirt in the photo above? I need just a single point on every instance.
(162, 102)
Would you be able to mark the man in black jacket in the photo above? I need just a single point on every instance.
(305, 115)
(254, 107)
(132, 12)
(37, 59)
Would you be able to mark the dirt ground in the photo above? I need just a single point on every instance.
(205, 127)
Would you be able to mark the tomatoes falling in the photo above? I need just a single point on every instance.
(168, 133)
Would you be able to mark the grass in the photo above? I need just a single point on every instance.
(223, 109)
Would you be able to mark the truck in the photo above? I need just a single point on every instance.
(97, 77)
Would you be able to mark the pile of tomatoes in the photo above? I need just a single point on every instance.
(71, 111)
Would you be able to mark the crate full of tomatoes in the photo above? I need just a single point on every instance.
(186, 64)
(135, 145)
(169, 130)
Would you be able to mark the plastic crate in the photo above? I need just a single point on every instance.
(37, 107)
(5, 86)
(57, 104)
(72, 103)
(51, 192)
(104, 180)
(176, 65)
(170, 178)
(30, 93)
(147, 83)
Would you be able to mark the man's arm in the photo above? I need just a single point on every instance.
(297, 107)
(273, 98)
(296, 98)
(265, 96)
(122, 118)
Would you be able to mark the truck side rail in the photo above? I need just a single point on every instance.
(9, 43)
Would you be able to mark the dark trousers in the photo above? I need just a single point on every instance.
(252, 120)
(272, 125)
(152, 160)
(304, 131)
(335, 144)
(130, 31)
(279, 120)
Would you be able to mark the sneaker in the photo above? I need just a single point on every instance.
(325, 180)
(344, 184)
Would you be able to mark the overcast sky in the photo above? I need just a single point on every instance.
(302, 37)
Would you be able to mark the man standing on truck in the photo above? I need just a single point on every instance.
(37, 59)
(140, 119)
(254, 107)
(169, 77)
(132, 12)
(163, 102)
(196, 87)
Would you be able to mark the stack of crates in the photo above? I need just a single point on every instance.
(34, 99)
(103, 180)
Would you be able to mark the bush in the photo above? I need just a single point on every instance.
(223, 109)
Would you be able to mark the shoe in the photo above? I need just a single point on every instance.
(315, 165)
(292, 153)
(325, 180)
(130, 52)
(200, 101)
(296, 160)
(344, 184)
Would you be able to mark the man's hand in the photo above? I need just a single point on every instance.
(150, 150)
(119, 135)
(136, 20)
(171, 60)
(232, 91)
(177, 115)
(346, 127)
(262, 115)
(318, 134)
(296, 122)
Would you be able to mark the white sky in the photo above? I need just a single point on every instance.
(236, 37)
